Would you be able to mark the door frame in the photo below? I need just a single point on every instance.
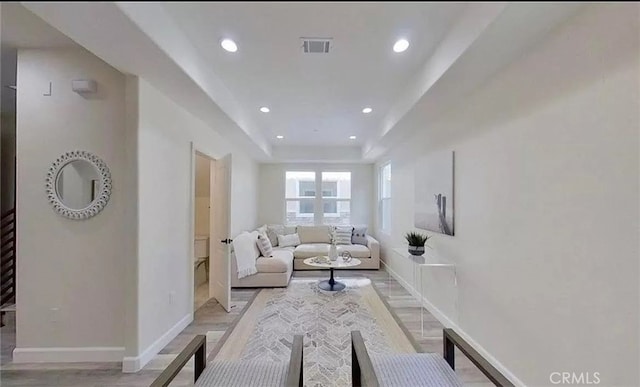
(192, 229)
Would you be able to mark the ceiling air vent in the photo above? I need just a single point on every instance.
(316, 45)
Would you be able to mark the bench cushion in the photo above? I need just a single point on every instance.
(418, 370)
(243, 374)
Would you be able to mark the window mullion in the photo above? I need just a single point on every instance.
(318, 216)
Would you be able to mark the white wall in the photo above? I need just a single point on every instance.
(546, 201)
(271, 207)
(70, 273)
(165, 267)
(80, 285)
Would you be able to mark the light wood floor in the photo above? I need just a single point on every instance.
(212, 320)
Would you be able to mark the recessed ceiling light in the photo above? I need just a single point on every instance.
(279, 137)
(367, 110)
(352, 137)
(265, 109)
(229, 45)
(401, 45)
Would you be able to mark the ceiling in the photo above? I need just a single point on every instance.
(21, 28)
(315, 99)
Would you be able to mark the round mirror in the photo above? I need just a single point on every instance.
(78, 184)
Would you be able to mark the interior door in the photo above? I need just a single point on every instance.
(220, 268)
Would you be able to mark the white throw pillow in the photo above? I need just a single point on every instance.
(288, 240)
(342, 235)
(264, 245)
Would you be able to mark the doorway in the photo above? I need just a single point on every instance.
(202, 228)
(211, 261)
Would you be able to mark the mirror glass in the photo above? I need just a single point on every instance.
(78, 184)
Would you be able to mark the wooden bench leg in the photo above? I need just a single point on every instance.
(448, 351)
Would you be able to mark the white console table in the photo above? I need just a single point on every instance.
(428, 260)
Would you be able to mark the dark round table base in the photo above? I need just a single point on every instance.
(326, 285)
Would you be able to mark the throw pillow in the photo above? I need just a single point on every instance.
(342, 235)
(273, 230)
(359, 236)
(288, 240)
(265, 246)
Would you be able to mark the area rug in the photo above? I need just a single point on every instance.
(326, 319)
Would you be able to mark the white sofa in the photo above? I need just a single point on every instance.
(276, 271)
(272, 272)
(315, 240)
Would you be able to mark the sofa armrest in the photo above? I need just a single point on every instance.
(374, 247)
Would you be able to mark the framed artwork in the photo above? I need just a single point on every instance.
(434, 201)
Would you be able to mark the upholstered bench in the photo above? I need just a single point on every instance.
(417, 369)
(238, 373)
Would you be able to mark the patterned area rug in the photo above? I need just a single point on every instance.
(326, 320)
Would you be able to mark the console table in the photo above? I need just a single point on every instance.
(429, 260)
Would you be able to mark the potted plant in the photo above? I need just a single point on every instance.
(416, 242)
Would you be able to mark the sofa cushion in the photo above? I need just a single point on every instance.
(356, 251)
(286, 248)
(290, 229)
(309, 250)
(273, 230)
(280, 262)
(359, 236)
(314, 234)
(262, 229)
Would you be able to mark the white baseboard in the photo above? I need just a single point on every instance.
(449, 323)
(132, 364)
(68, 354)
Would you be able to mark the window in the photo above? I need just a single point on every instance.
(332, 206)
(336, 198)
(307, 188)
(300, 197)
(384, 205)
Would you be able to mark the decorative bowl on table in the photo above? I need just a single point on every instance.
(323, 259)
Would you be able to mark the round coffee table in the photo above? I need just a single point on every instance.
(331, 284)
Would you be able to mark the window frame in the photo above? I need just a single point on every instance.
(318, 214)
(301, 199)
(382, 198)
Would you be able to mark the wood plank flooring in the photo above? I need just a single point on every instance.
(212, 320)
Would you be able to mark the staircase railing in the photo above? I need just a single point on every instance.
(8, 257)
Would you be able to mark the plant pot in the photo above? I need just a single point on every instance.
(416, 250)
